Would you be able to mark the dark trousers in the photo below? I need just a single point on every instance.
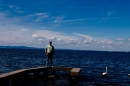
(49, 59)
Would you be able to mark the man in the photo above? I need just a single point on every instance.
(49, 51)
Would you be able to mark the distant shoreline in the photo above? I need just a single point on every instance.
(26, 47)
(18, 47)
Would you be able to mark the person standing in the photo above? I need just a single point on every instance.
(49, 51)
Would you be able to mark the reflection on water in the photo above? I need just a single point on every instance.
(92, 65)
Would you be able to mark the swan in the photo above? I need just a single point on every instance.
(105, 73)
(129, 75)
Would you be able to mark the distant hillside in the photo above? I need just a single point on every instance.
(17, 47)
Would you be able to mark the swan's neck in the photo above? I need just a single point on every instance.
(106, 69)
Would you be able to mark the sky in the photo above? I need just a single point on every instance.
(70, 24)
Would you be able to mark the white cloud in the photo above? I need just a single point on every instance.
(41, 16)
(24, 29)
(11, 33)
(82, 40)
(39, 38)
(14, 37)
(74, 20)
(79, 20)
(59, 19)
(30, 19)
(34, 36)
(51, 34)
(82, 35)
(108, 14)
(119, 39)
(109, 42)
(14, 7)
(6, 20)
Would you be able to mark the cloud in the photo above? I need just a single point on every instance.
(24, 29)
(79, 20)
(119, 39)
(13, 7)
(41, 16)
(12, 32)
(51, 34)
(74, 20)
(34, 36)
(82, 35)
(108, 16)
(5, 19)
(14, 37)
(39, 38)
(16, 9)
(59, 19)
(62, 39)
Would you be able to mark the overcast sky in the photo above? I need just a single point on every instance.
(69, 24)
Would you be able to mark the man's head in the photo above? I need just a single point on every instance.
(50, 42)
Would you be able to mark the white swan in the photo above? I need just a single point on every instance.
(129, 75)
(105, 73)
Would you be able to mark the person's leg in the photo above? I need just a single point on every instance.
(47, 60)
(51, 59)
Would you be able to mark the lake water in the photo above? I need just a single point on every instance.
(92, 64)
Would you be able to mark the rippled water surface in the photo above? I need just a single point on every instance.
(92, 64)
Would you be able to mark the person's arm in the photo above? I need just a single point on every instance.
(53, 50)
(46, 50)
